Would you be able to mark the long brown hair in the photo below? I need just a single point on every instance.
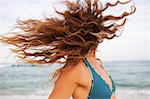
(80, 29)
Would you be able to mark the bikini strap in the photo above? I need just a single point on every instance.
(86, 62)
(91, 70)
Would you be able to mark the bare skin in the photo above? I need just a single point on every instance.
(76, 81)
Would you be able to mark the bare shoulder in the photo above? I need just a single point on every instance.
(71, 73)
(66, 83)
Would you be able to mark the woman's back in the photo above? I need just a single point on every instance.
(74, 81)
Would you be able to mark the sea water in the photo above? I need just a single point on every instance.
(22, 81)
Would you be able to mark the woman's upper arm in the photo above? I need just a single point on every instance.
(65, 84)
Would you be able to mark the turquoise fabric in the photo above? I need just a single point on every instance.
(99, 88)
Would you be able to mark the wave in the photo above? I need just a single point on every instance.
(132, 85)
(126, 93)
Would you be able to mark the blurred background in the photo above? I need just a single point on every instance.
(126, 58)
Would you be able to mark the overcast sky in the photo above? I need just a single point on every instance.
(133, 44)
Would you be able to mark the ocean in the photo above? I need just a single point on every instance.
(22, 81)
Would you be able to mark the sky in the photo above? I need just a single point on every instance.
(133, 44)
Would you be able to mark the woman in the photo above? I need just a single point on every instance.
(74, 38)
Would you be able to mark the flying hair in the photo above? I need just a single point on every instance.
(80, 30)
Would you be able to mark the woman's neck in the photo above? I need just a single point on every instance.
(91, 57)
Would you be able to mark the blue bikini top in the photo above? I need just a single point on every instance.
(99, 88)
